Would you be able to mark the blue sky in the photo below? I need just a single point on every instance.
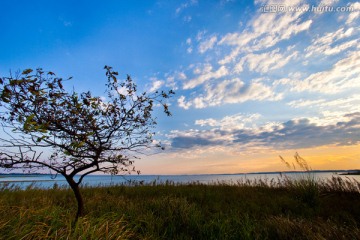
(250, 84)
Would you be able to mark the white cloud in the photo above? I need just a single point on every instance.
(203, 68)
(207, 44)
(200, 35)
(207, 122)
(355, 14)
(328, 44)
(334, 36)
(233, 91)
(237, 121)
(344, 74)
(170, 82)
(230, 57)
(182, 103)
(283, 2)
(185, 5)
(190, 47)
(122, 90)
(198, 102)
(351, 103)
(265, 62)
(205, 74)
(330, 118)
(265, 31)
(328, 2)
(156, 84)
(182, 75)
(267, 44)
(330, 108)
(340, 48)
(305, 103)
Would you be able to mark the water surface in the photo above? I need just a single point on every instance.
(48, 181)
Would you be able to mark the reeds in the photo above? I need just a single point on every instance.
(281, 208)
(269, 208)
(55, 223)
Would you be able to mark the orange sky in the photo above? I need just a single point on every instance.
(220, 161)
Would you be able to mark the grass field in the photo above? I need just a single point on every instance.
(285, 209)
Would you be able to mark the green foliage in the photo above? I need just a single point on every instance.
(85, 133)
(80, 125)
(82, 133)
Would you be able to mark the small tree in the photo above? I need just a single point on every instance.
(82, 134)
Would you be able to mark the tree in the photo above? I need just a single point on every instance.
(82, 134)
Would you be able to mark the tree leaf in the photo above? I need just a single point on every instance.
(27, 71)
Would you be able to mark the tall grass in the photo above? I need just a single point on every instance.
(43, 214)
(259, 209)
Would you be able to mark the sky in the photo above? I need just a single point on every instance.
(253, 79)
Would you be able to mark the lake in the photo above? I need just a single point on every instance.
(46, 181)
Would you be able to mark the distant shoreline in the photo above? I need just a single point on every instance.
(351, 173)
(340, 172)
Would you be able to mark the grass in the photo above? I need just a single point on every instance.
(261, 209)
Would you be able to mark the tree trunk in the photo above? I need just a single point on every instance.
(80, 203)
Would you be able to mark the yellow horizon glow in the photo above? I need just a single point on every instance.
(217, 161)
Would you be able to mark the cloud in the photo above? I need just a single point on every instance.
(185, 5)
(305, 103)
(265, 31)
(301, 133)
(329, 43)
(334, 36)
(156, 84)
(293, 134)
(233, 91)
(182, 103)
(207, 122)
(207, 44)
(328, 2)
(182, 75)
(330, 110)
(340, 48)
(350, 102)
(200, 35)
(271, 57)
(250, 51)
(355, 14)
(271, 45)
(205, 74)
(190, 47)
(265, 62)
(185, 142)
(192, 138)
(344, 74)
(238, 121)
(283, 2)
